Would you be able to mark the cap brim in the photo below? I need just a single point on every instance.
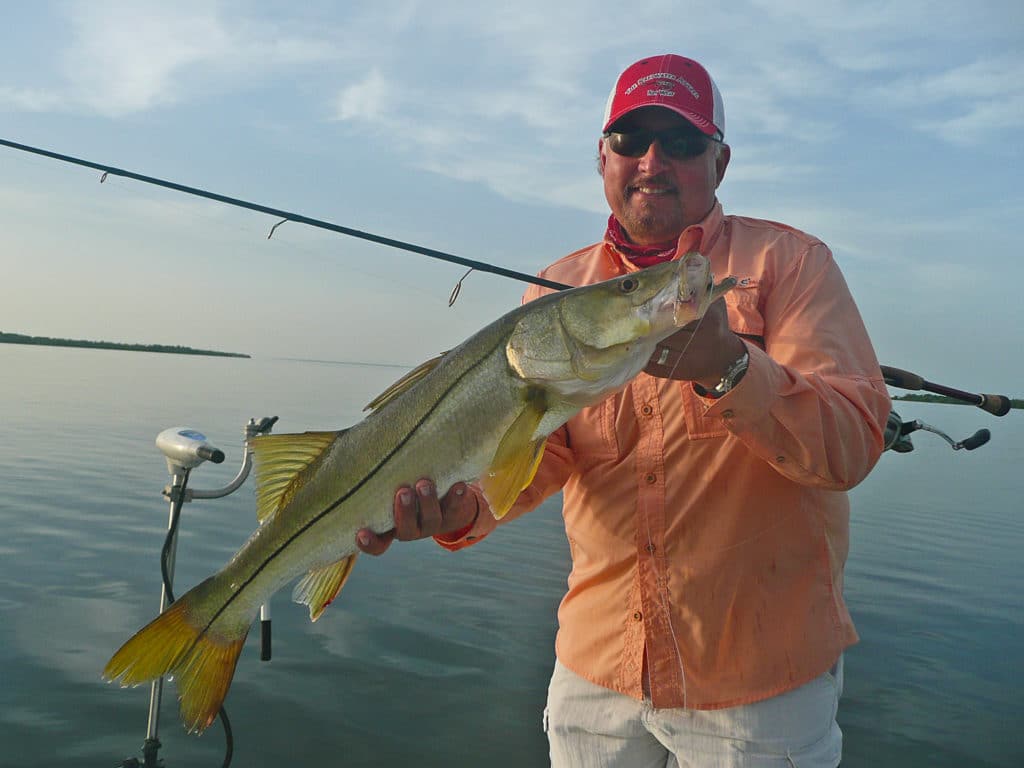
(701, 124)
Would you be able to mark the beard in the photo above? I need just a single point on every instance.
(650, 224)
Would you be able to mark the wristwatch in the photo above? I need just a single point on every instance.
(732, 376)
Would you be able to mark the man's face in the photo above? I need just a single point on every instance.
(655, 196)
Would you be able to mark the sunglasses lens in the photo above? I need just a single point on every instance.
(676, 144)
(684, 145)
(632, 144)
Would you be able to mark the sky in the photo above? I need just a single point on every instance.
(891, 130)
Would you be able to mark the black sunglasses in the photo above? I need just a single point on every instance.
(677, 143)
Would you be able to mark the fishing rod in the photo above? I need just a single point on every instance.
(997, 405)
(109, 170)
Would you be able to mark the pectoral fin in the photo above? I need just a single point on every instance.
(320, 586)
(516, 460)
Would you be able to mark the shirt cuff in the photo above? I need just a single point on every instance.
(476, 531)
(751, 398)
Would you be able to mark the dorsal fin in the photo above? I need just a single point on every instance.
(320, 586)
(404, 383)
(279, 460)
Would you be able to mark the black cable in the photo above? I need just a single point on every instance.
(165, 556)
(172, 532)
(229, 739)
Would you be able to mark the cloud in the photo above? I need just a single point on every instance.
(29, 99)
(366, 99)
(124, 57)
(510, 97)
(980, 100)
(128, 57)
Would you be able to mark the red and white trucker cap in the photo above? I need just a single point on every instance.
(673, 82)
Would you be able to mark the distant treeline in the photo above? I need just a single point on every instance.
(1014, 402)
(46, 341)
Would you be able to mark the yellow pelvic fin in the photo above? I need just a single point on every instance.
(175, 644)
(404, 383)
(280, 461)
(516, 459)
(320, 586)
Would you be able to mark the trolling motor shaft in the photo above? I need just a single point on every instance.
(185, 449)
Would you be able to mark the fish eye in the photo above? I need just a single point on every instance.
(629, 285)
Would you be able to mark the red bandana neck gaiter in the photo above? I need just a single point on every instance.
(641, 255)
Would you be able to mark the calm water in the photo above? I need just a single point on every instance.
(432, 658)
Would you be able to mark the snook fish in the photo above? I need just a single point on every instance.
(481, 411)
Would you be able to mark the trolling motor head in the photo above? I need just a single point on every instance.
(186, 448)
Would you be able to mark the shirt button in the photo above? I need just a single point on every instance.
(727, 413)
(637, 616)
(651, 479)
(780, 459)
(647, 410)
(650, 548)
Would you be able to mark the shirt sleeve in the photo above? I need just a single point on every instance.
(813, 403)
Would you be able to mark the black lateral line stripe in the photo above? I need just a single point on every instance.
(335, 504)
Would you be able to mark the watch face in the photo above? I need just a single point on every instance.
(733, 373)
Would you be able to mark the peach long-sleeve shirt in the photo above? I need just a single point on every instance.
(712, 534)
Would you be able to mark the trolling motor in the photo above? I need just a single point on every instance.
(897, 431)
(185, 449)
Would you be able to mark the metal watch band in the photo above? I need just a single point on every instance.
(732, 374)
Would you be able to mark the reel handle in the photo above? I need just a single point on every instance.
(976, 440)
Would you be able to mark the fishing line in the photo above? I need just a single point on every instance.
(686, 346)
(288, 216)
(663, 577)
(663, 598)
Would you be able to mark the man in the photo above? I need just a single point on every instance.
(705, 504)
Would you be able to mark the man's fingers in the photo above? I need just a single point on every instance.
(459, 508)
(417, 512)
(372, 543)
(407, 514)
(429, 509)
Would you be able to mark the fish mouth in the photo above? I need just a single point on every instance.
(696, 284)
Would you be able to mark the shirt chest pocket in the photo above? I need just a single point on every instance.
(744, 305)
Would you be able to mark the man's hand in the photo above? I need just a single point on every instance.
(419, 514)
(700, 351)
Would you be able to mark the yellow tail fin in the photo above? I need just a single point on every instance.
(175, 643)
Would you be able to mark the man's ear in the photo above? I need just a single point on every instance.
(721, 163)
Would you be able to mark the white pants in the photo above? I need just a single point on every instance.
(589, 726)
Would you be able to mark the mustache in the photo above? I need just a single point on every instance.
(661, 180)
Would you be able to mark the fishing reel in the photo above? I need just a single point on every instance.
(897, 431)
